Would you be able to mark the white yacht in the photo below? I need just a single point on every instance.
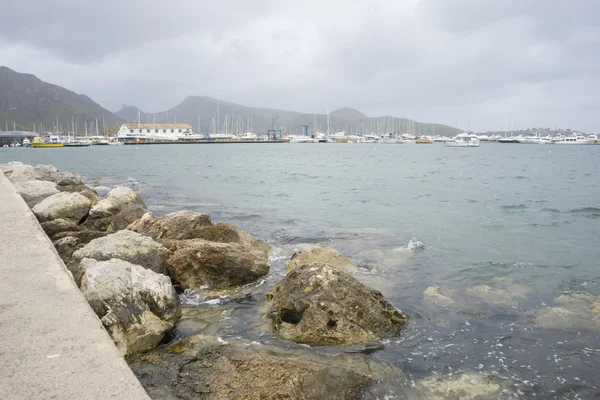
(248, 136)
(575, 139)
(302, 139)
(464, 140)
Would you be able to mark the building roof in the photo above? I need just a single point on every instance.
(157, 126)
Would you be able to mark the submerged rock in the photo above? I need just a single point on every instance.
(71, 206)
(501, 291)
(197, 262)
(319, 304)
(201, 367)
(136, 306)
(128, 246)
(434, 294)
(466, 386)
(177, 226)
(116, 211)
(34, 191)
(320, 255)
(576, 311)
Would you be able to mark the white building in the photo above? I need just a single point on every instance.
(154, 131)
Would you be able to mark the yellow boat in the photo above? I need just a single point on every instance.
(49, 142)
(423, 141)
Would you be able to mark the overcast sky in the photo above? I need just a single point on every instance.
(448, 61)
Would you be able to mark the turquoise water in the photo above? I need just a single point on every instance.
(530, 213)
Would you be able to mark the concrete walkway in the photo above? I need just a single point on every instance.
(52, 345)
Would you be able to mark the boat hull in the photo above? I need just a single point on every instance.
(46, 145)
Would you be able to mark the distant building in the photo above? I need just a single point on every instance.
(14, 137)
(155, 131)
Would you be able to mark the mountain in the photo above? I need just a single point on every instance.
(26, 100)
(201, 113)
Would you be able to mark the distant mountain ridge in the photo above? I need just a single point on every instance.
(206, 114)
(26, 100)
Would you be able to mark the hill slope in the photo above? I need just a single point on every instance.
(26, 100)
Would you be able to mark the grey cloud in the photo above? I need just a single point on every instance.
(437, 60)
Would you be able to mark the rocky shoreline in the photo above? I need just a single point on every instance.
(132, 266)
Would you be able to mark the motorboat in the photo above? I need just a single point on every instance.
(464, 140)
(248, 136)
(46, 142)
(575, 139)
(302, 139)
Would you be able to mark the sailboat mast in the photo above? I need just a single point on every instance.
(328, 122)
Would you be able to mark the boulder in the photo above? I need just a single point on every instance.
(128, 246)
(177, 226)
(65, 248)
(196, 263)
(136, 306)
(39, 172)
(116, 211)
(84, 236)
(466, 386)
(322, 255)
(319, 304)
(201, 367)
(434, 294)
(59, 225)
(9, 167)
(68, 182)
(72, 206)
(227, 233)
(34, 191)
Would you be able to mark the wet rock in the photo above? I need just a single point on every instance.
(227, 233)
(197, 262)
(128, 246)
(501, 292)
(25, 172)
(576, 311)
(136, 306)
(319, 304)
(34, 191)
(204, 368)
(116, 211)
(434, 294)
(319, 255)
(71, 206)
(467, 386)
(178, 225)
(59, 225)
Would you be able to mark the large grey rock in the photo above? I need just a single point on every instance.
(136, 306)
(320, 304)
(227, 233)
(177, 226)
(197, 262)
(116, 211)
(65, 248)
(39, 172)
(201, 367)
(504, 291)
(72, 206)
(320, 255)
(9, 167)
(128, 246)
(34, 191)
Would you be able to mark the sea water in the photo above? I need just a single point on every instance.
(411, 217)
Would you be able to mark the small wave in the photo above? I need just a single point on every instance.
(592, 212)
(521, 177)
(416, 245)
(514, 207)
(551, 210)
